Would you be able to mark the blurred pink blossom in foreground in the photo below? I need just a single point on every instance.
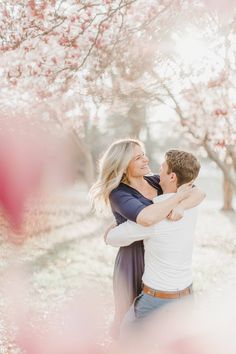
(74, 326)
(179, 332)
(30, 159)
(79, 327)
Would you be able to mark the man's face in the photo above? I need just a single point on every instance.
(165, 178)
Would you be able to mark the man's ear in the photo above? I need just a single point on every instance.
(173, 177)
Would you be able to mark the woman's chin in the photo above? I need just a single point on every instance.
(146, 171)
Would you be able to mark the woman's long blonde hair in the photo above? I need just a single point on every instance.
(112, 171)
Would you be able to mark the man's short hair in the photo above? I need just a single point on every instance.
(184, 164)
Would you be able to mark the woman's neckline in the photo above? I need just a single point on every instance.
(147, 179)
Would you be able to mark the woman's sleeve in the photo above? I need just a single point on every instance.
(126, 204)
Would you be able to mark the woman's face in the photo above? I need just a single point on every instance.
(138, 166)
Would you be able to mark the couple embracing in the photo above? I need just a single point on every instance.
(155, 220)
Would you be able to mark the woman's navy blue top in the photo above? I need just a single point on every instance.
(126, 203)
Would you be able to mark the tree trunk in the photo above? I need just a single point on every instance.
(137, 117)
(228, 195)
(88, 163)
(89, 173)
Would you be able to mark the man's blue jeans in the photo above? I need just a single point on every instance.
(142, 306)
(145, 304)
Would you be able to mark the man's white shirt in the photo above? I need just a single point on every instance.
(168, 248)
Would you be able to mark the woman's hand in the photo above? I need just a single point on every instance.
(184, 191)
(106, 232)
(176, 214)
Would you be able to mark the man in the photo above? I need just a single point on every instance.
(168, 245)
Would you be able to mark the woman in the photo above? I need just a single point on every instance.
(123, 182)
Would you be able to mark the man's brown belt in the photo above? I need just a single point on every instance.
(167, 294)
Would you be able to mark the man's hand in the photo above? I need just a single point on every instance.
(106, 232)
(176, 214)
